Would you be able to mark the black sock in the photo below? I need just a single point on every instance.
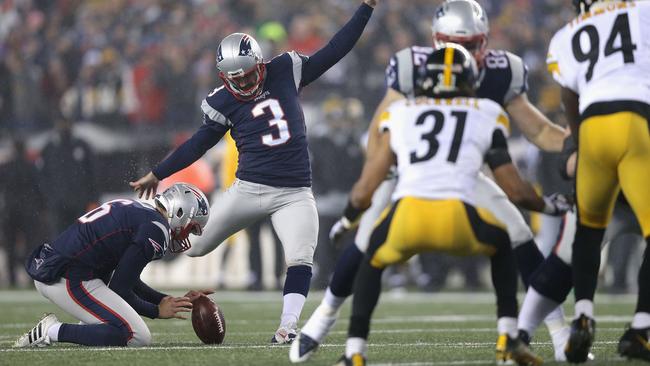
(643, 302)
(504, 279)
(586, 261)
(345, 271)
(553, 279)
(529, 258)
(366, 294)
(93, 334)
(297, 281)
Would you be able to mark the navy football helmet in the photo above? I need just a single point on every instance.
(241, 65)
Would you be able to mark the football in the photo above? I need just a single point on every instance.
(208, 321)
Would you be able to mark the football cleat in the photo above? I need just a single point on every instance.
(357, 359)
(583, 330)
(634, 344)
(283, 336)
(510, 351)
(302, 348)
(37, 336)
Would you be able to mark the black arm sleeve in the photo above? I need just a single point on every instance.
(339, 46)
(206, 137)
(498, 154)
(128, 273)
(143, 291)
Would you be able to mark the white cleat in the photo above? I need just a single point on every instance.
(37, 336)
(312, 334)
(284, 335)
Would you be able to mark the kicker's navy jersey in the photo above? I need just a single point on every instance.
(93, 246)
(269, 131)
(503, 75)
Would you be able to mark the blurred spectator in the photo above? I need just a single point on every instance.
(335, 140)
(67, 175)
(22, 221)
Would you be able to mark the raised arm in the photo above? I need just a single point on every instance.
(339, 46)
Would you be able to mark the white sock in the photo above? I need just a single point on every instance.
(534, 309)
(584, 306)
(355, 345)
(53, 332)
(291, 309)
(641, 320)
(332, 301)
(507, 325)
(555, 320)
(320, 323)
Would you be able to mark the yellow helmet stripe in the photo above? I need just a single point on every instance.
(449, 61)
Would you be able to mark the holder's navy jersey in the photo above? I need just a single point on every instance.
(93, 246)
(269, 131)
(503, 75)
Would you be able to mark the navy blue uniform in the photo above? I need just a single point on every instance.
(269, 131)
(503, 75)
(114, 243)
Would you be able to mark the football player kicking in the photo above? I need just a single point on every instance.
(92, 270)
(439, 143)
(259, 103)
(503, 80)
(602, 61)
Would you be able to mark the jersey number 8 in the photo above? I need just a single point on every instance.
(620, 29)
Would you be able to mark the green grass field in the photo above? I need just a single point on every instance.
(407, 329)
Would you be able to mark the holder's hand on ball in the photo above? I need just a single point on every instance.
(171, 307)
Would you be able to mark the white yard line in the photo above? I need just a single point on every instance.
(250, 346)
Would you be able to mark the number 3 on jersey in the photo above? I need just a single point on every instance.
(430, 137)
(283, 135)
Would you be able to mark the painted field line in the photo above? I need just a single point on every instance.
(251, 346)
(30, 296)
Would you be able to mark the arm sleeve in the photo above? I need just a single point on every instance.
(206, 137)
(126, 274)
(338, 46)
(143, 291)
(498, 154)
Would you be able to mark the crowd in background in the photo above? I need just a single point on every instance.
(141, 68)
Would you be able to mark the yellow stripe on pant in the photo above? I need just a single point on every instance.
(614, 153)
(417, 225)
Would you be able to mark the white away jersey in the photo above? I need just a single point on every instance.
(604, 55)
(440, 144)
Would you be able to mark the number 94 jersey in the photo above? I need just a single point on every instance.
(604, 54)
(440, 144)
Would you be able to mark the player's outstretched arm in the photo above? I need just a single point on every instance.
(339, 46)
(537, 128)
(519, 191)
(374, 172)
(206, 137)
(374, 136)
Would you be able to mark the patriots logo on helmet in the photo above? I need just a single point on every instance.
(245, 48)
(440, 13)
(219, 54)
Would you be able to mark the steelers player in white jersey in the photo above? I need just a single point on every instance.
(503, 79)
(439, 143)
(601, 59)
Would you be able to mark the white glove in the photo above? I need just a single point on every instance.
(340, 227)
(557, 204)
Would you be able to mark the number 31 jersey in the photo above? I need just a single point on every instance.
(604, 54)
(440, 144)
